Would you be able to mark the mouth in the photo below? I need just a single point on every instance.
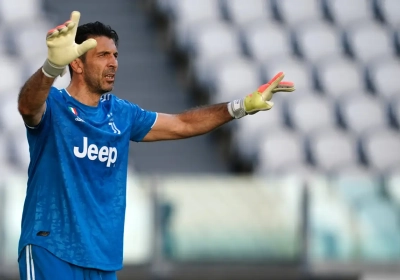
(110, 77)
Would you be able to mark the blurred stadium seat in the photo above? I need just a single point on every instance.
(389, 11)
(11, 71)
(242, 12)
(381, 148)
(20, 11)
(294, 12)
(394, 110)
(309, 112)
(359, 37)
(231, 78)
(330, 148)
(249, 129)
(337, 75)
(278, 148)
(206, 40)
(344, 13)
(206, 49)
(25, 40)
(383, 77)
(3, 40)
(360, 113)
(3, 152)
(315, 40)
(264, 40)
(187, 16)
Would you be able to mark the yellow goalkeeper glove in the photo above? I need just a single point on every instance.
(61, 47)
(260, 100)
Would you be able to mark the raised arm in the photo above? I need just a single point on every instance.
(201, 120)
(32, 97)
(62, 50)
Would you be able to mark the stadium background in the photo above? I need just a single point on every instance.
(308, 190)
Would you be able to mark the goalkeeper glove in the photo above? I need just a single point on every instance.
(260, 100)
(61, 47)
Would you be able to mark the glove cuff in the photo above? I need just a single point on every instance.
(51, 70)
(236, 108)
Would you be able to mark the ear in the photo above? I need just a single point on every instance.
(77, 66)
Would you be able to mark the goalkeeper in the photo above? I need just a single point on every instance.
(73, 216)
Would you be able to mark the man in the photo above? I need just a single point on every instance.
(73, 218)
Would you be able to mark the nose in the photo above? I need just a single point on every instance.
(113, 62)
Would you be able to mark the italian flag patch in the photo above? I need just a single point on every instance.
(73, 110)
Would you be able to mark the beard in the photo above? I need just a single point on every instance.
(94, 83)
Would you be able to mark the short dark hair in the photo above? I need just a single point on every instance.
(93, 29)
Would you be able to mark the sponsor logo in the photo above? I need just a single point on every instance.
(93, 152)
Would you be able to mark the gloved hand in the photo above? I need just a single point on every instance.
(61, 46)
(260, 100)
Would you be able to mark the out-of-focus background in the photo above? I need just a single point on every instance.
(308, 190)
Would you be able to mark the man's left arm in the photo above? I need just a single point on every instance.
(190, 123)
(202, 120)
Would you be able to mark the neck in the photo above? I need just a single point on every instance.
(83, 94)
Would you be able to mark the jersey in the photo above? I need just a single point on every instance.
(76, 189)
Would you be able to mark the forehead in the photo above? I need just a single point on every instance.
(105, 44)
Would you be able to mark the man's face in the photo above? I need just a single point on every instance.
(100, 66)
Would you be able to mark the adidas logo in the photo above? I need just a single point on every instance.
(78, 119)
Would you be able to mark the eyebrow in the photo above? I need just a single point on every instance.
(108, 52)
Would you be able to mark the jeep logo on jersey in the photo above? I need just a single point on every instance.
(93, 152)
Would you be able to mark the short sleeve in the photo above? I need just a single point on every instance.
(142, 122)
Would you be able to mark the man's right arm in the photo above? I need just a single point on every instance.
(32, 98)
(62, 50)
